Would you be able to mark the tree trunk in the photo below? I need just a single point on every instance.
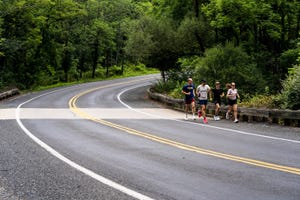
(163, 74)
(196, 8)
(200, 42)
(107, 70)
(95, 57)
(122, 64)
(298, 25)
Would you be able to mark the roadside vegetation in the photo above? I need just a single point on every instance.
(130, 71)
(47, 43)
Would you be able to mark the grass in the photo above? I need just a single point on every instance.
(130, 71)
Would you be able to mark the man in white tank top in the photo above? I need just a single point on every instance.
(202, 92)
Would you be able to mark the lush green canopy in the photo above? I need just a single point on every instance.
(251, 42)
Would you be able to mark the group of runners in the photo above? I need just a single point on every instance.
(202, 92)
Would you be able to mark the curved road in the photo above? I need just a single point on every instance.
(106, 140)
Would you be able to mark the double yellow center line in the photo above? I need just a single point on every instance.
(75, 109)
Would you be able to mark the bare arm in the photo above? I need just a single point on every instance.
(197, 92)
(210, 94)
(222, 95)
(186, 93)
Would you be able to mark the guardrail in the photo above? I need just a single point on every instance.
(9, 93)
(276, 116)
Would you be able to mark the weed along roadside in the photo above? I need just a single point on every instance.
(134, 71)
(271, 116)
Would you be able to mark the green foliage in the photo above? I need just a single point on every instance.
(100, 74)
(73, 37)
(176, 92)
(289, 58)
(175, 9)
(44, 41)
(194, 35)
(152, 42)
(163, 87)
(262, 26)
(134, 70)
(258, 101)
(140, 44)
(171, 88)
(229, 64)
(290, 95)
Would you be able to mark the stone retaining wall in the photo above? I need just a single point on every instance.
(9, 93)
(282, 117)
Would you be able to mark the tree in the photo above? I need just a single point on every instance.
(229, 64)
(290, 96)
(101, 40)
(153, 42)
(264, 28)
(22, 36)
(194, 35)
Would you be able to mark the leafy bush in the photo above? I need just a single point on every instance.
(182, 71)
(289, 58)
(290, 94)
(176, 92)
(258, 101)
(163, 87)
(171, 88)
(230, 64)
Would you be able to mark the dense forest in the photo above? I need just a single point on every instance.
(252, 42)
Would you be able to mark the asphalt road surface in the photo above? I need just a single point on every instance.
(107, 140)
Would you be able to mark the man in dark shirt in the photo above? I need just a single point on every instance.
(218, 94)
(189, 91)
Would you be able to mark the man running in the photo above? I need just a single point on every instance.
(202, 90)
(189, 91)
(218, 94)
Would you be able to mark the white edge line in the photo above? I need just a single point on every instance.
(203, 125)
(73, 164)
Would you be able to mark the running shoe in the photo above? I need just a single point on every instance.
(218, 118)
(186, 117)
(194, 118)
(236, 121)
(205, 121)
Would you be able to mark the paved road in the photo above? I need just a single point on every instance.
(106, 140)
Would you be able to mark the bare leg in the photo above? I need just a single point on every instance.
(186, 110)
(235, 111)
(217, 110)
(228, 112)
(193, 107)
(203, 109)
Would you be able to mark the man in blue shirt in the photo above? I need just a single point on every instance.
(189, 91)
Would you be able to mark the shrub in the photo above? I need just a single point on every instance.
(171, 88)
(258, 101)
(138, 69)
(230, 64)
(290, 94)
(163, 87)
